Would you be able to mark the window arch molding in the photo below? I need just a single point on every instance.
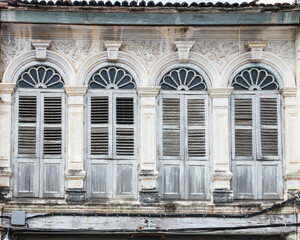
(27, 60)
(270, 61)
(196, 62)
(125, 61)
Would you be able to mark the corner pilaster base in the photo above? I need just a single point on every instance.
(75, 196)
(148, 196)
(5, 194)
(222, 196)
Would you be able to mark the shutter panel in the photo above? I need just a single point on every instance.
(52, 125)
(171, 127)
(196, 127)
(27, 129)
(99, 125)
(27, 164)
(243, 122)
(52, 128)
(124, 126)
(269, 127)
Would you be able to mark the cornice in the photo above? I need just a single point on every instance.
(7, 88)
(288, 91)
(222, 92)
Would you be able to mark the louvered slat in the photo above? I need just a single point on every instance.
(125, 142)
(52, 110)
(125, 112)
(99, 110)
(243, 127)
(269, 129)
(27, 125)
(196, 112)
(99, 140)
(196, 127)
(171, 111)
(52, 140)
(27, 109)
(27, 140)
(171, 127)
(52, 125)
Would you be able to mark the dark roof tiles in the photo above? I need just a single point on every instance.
(143, 3)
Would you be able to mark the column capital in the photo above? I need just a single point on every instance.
(76, 90)
(222, 92)
(7, 88)
(147, 91)
(288, 92)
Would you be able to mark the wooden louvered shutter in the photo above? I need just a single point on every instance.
(124, 125)
(196, 160)
(52, 132)
(244, 148)
(172, 164)
(244, 127)
(196, 142)
(171, 122)
(99, 119)
(269, 126)
(124, 144)
(27, 162)
(269, 166)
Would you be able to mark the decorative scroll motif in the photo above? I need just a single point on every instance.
(219, 52)
(112, 78)
(183, 79)
(40, 77)
(76, 50)
(255, 79)
(148, 51)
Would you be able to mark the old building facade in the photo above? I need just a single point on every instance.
(146, 120)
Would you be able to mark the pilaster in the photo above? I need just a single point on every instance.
(222, 175)
(6, 91)
(147, 149)
(75, 145)
(291, 142)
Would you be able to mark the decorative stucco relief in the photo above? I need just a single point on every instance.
(76, 50)
(219, 52)
(283, 49)
(10, 48)
(148, 51)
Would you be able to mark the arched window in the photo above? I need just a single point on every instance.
(183, 156)
(256, 135)
(39, 133)
(111, 143)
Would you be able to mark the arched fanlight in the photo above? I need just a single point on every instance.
(255, 79)
(183, 79)
(112, 78)
(40, 77)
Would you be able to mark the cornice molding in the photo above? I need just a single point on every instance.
(76, 90)
(148, 91)
(223, 92)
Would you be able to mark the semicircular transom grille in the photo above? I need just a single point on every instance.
(255, 79)
(112, 78)
(183, 79)
(40, 77)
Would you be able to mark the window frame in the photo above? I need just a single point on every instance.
(39, 160)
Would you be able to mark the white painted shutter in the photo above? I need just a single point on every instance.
(124, 143)
(196, 109)
(244, 174)
(171, 127)
(172, 164)
(99, 113)
(243, 127)
(52, 158)
(196, 161)
(269, 154)
(269, 124)
(27, 161)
